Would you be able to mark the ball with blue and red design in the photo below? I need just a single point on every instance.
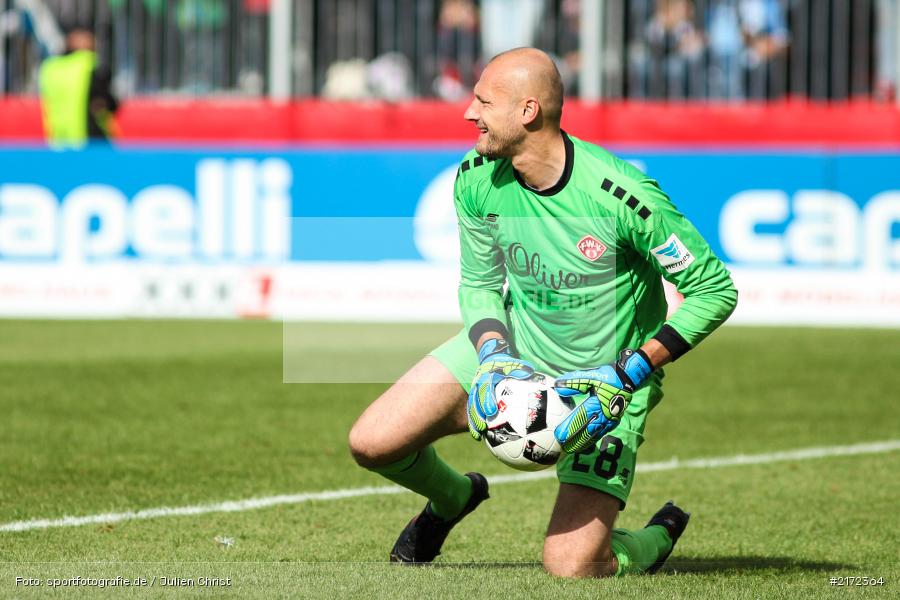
(608, 389)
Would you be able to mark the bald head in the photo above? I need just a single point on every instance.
(518, 96)
(529, 72)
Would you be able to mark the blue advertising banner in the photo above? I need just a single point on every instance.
(765, 209)
(811, 218)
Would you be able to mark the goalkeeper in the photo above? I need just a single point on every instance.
(564, 248)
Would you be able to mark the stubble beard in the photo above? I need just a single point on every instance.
(501, 145)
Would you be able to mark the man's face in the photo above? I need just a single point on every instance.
(80, 39)
(494, 112)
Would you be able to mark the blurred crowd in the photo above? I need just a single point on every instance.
(400, 49)
(674, 50)
(170, 46)
(677, 49)
(729, 50)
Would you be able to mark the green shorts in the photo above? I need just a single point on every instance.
(609, 467)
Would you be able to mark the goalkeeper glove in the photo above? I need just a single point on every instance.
(496, 363)
(609, 388)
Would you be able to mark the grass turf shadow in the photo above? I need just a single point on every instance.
(477, 565)
(737, 564)
(721, 564)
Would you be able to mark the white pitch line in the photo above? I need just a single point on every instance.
(256, 503)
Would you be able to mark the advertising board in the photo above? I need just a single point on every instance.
(370, 234)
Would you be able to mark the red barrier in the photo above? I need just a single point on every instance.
(20, 119)
(226, 121)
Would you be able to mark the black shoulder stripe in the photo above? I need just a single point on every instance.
(475, 162)
(631, 202)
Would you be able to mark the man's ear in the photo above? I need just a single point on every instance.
(531, 108)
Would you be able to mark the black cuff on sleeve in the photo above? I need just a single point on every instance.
(672, 341)
(485, 325)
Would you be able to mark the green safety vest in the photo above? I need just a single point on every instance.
(65, 83)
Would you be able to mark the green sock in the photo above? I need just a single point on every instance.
(425, 473)
(637, 550)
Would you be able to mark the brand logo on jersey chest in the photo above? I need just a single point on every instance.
(591, 248)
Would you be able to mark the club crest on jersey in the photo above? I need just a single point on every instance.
(591, 248)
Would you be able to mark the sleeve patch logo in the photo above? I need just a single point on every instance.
(673, 255)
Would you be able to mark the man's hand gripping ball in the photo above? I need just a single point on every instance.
(497, 363)
(609, 390)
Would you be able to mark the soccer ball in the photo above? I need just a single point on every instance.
(521, 433)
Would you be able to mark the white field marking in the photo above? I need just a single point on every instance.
(256, 503)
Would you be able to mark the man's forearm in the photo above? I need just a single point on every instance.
(658, 354)
(487, 335)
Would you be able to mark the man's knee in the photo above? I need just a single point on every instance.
(365, 449)
(579, 536)
(575, 558)
(562, 562)
(395, 426)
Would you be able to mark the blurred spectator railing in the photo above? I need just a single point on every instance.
(399, 49)
(191, 47)
(750, 49)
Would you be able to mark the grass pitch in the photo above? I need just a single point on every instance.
(101, 417)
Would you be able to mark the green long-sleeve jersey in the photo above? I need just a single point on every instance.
(574, 273)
